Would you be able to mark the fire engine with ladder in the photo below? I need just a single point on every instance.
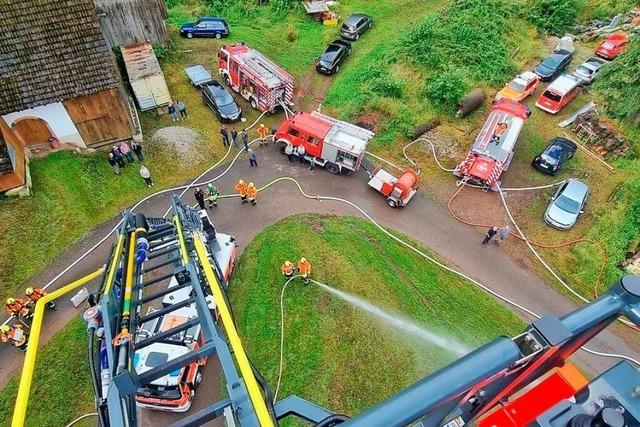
(492, 151)
(257, 79)
(509, 382)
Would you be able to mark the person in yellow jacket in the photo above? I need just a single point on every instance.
(252, 194)
(241, 188)
(304, 268)
(287, 269)
(262, 133)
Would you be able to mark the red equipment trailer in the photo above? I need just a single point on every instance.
(328, 142)
(256, 78)
(398, 190)
(492, 151)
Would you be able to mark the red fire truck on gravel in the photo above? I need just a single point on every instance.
(257, 79)
(328, 142)
(492, 151)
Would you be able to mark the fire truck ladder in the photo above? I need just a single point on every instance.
(176, 249)
(347, 127)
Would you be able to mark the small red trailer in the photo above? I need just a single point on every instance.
(328, 142)
(492, 151)
(256, 78)
(398, 190)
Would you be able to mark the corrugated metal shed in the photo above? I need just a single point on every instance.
(51, 51)
(145, 76)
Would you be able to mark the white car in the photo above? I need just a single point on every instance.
(567, 204)
(589, 69)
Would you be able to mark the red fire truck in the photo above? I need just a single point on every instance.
(257, 79)
(328, 142)
(492, 151)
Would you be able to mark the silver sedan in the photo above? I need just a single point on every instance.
(567, 204)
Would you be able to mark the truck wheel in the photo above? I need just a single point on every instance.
(392, 203)
(254, 103)
(332, 168)
(283, 145)
(189, 35)
(227, 80)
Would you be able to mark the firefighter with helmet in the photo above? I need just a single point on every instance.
(262, 133)
(241, 188)
(288, 269)
(14, 335)
(304, 267)
(34, 294)
(252, 193)
(17, 308)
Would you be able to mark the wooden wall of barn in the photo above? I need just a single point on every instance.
(127, 22)
(101, 118)
(18, 177)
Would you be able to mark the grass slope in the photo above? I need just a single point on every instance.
(334, 354)
(61, 389)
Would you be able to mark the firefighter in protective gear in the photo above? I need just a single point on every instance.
(17, 308)
(288, 269)
(14, 335)
(262, 132)
(34, 294)
(252, 194)
(241, 188)
(304, 268)
(212, 195)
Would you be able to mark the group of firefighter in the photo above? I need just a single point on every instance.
(288, 269)
(248, 192)
(21, 311)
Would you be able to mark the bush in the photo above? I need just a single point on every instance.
(554, 16)
(292, 35)
(619, 85)
(446, 89)
(387, 86)
(470, 35)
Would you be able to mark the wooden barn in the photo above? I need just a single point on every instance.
(128, 22)
(57, 79)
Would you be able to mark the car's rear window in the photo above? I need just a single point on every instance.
(552, 96)
(584, 70)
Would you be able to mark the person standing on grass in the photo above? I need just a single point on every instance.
(183, 109)
(137, 148)
(172, 111)
(253, 161)
(490, 233)
(114, 164)
(126, 151)
(146, 175)
(117, 155)
(234, 137)
(245, 139)
(199, 195)
(225, 135)
(503, 233)
(262, 134)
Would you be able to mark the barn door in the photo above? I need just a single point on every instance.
(32, 131)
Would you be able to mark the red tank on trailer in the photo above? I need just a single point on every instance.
(397, 190)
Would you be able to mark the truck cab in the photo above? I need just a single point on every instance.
(328, 142)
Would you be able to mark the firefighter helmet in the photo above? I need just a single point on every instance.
(11, 300)
(303, 259)
(29, 291)
(241, 182)
(251, 184)
(4, 329)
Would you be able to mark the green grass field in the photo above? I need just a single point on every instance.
(61, 389)
(336, 355)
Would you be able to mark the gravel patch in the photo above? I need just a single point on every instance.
(181, 140)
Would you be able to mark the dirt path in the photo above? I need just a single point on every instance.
(424, 220)
(311, 90)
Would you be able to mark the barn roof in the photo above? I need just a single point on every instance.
(51, 51)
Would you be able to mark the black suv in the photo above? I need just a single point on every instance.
(557, 152)
(218, 98)
(553, 65)
(355, 26)
(206, 27)
(329, 62)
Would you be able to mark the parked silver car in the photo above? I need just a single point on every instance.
(589, 69)
(567, 204)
